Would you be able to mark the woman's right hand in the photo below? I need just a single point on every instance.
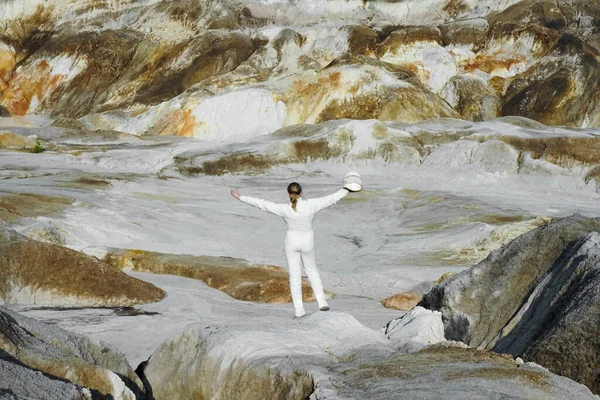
(235, 193)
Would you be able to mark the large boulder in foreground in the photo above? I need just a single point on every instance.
(33, 272)
(234, 276)
(332, 356)
(537, 297)
(60, 355)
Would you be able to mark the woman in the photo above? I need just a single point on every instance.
(299, 240)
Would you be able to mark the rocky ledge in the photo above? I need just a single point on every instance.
(537, 298)
(33, 272)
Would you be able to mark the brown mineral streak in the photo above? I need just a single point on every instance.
(7, 63)
(409, 36)
(563, 151)
(184, 123)
(66, 272)
(491, 63)
(455, 7)
(310, 94)
(24, 86)
(236, 277)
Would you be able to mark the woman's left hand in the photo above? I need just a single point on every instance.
(235, 193)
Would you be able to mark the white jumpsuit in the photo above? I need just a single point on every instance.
(299, 241)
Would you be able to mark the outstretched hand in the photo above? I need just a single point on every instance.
(235, 193)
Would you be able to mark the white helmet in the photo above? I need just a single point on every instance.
(353, 181)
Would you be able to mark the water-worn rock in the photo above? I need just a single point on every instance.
(11, 140)
(332, 356)
(416, 329)
(33, 272)
(18, 382)
(236, 277)
(534, 298)
(17, 206)
(403, 301)
(61, 354)
(161, 67)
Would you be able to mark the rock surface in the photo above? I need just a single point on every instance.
(249, 68)
(17, 206)
(416, 329)
(11, 140)
(331, 356)
(26, 343)
(33, 272)
(402, 301)
(236, 277)
(20, 382)
(505, 146)
(534, 298)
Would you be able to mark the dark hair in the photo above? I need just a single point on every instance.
(294, 189)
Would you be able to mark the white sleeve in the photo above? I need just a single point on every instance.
(273, 208)
(324, 202)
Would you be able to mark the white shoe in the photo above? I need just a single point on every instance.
(300, 315)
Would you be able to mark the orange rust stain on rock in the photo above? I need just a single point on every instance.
(187, 124)
(310, 94)
(7, 63)
(490, 63)
(402, 301)
(419, 70)
(33, 81)
(53, 83)
(324, 83)
(179, 123)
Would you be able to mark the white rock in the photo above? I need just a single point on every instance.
(417, 327)
(239, 114)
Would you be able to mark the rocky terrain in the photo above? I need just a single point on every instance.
(534, 298)
(40, 361)
(33, 272)
(474, 125)
(236, 277)
(219, 69)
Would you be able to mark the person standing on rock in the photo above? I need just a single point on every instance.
(299, 240)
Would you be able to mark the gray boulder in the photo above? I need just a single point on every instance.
(64, 356)
(537, 297)
(4, 112)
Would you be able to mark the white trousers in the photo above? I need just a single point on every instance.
(300, 251)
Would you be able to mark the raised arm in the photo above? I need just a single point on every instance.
(277, 209)
(324, 202)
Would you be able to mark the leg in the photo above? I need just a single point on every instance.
(295, 268)
(310, 266)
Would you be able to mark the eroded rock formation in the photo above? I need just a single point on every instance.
(236, 277)
(192, 69)
(535, 297)
(27, 344)
(33, 272)
(332, 356)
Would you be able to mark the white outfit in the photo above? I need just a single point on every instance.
(299, 241)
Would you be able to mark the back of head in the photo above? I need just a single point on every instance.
(294, 189)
